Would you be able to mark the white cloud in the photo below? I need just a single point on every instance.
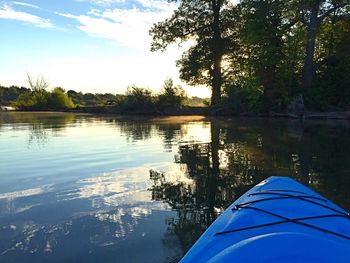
(104, 72)
(26, 4)
(6, 12)
(103, 2)
(156, 4)
(127, 27)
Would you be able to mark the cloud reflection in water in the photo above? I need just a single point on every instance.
(102, 211)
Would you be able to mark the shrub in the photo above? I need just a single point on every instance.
(171, 96)
(58, 99)
(136, 97)
(41, 99)
(25, 100)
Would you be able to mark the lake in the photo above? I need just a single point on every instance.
(80, 188)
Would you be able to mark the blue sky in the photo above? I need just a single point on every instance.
(86, 45)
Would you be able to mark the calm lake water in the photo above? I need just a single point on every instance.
(79, 188)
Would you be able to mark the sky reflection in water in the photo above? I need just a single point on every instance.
(81, 188)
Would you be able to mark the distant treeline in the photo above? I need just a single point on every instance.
(135, 99)
(8, 95)
(268, 55)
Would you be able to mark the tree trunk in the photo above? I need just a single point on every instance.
(313, 26)
(214, 173)
(217, 50)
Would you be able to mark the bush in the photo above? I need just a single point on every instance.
(25, 100)
(247, 96)
(330, 91)
(58, 99)
(171, 96)
(33, 100)
(141, 100)
(136, 99)
(41, 99)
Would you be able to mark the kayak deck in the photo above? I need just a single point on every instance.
(278, 220)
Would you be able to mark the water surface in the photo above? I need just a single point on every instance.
(80, 188)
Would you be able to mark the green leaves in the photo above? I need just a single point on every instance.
(187, 22)
(39, 98)
(261, 48)
(201, 22)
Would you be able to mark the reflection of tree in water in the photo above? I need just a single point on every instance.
(136, 130)
(42, 129)
(40, 126)
(37, 134)
(139, 130)
(170, 133)
(240, 155)
(213, 190)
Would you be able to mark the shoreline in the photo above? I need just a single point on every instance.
(199, 111)
(217, 112)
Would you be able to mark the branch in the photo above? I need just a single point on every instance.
(329, 11)
(302, 19)
(179, 36)
(195, 30)
(293, 22)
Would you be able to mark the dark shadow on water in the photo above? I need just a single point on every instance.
(241, 154)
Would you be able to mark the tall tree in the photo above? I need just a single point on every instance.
(263, 34)
(313, 14)
(201, 22)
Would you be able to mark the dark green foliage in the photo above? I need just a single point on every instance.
(139, 97)
(203, 22)
(171, 96)
(25, 100)
(143, 101)
(281, 52)
(266, 53)
(45, 100)
(90, 99)
(136, 100)
(39, 98)
(331, 87)
(58, 99)
(76, 97)
(9, 95)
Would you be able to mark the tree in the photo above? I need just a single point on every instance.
(200, 21)
(77, 97)
(136, 100)
(313, 14)
(39, 85)
(38, 91)
(25, 100)
(137, 96)
(330, 89)
(171, 95)
(39, 98)
(58, 99)
(11, 94)
(263, 34)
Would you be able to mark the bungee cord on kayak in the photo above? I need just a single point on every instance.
(278, 220)
(247, 205)
(288, 196)
(282, 194)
